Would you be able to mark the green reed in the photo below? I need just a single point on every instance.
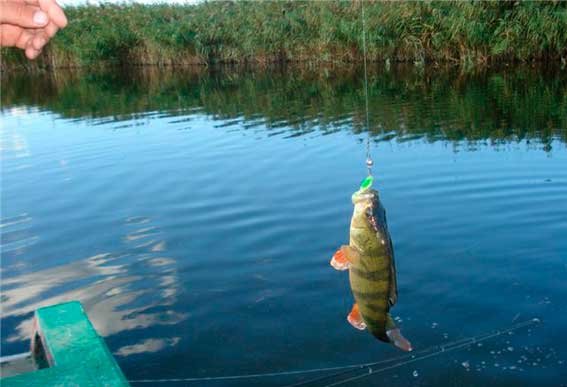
(469, 33)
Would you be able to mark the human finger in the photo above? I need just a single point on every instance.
(32, 53)
(39, 40)
(55, 12)
(9, 35)
(51, 29)
(24, 40)
(22, 15)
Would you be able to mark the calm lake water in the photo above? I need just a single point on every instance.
(194, 213)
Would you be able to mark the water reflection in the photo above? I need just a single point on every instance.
(16, 235)
(115, 299)
(149, 345)
(510, 105)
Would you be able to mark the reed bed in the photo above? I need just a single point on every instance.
(469, 33)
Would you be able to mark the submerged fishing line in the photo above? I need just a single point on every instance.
(411, 358)
(401, 361)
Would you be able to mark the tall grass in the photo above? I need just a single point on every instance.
(466, 32)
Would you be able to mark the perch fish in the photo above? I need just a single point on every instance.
(369, 257)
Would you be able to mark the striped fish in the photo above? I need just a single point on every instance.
(369, 257)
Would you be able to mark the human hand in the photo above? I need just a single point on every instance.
(29, 24)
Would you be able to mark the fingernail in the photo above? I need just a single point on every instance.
(39, 18)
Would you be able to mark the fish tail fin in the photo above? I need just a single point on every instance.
(398, 340)
(395, 336)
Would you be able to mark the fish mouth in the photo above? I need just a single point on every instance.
(364, 196)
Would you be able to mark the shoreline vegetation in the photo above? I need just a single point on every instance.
(469, 34)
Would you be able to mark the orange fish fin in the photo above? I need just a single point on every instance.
(355, 319)
(344, 257)
(340, 259)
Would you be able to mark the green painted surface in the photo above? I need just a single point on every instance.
(80, 356)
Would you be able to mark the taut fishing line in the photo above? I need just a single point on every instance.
(369, 161)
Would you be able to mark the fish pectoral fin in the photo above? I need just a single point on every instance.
(343, 257)
(340, 259)
(355, 319)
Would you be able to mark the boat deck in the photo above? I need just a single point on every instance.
(70, 349)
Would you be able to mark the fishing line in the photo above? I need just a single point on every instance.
(369, 161)
(248, 376)
(401, 360)
(423, 354)
(442, 349)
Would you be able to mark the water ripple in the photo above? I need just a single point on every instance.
(198, 231)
